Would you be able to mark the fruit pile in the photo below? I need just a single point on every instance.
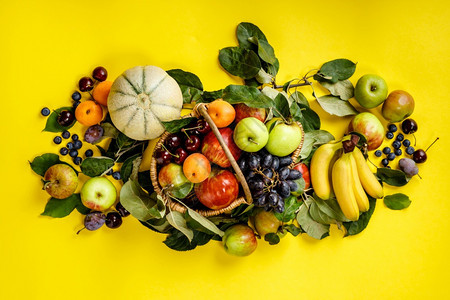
(251, 162)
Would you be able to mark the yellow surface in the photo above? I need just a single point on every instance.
(46, 46)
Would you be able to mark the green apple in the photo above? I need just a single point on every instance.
(239, 240)
(250, 135)
(283, 138)
(265, 222)
(398, 106)
(60, 181)
(370, 91)
(98, 193)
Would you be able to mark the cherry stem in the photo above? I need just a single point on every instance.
(432, 143)
(189, 138)
(164, 147)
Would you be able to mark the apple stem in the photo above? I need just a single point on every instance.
(432, 143)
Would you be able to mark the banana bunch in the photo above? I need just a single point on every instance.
(347, 176)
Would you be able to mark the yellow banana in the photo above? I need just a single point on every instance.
(343, 187)
(321, 163)
(367, 178)
(360, 195)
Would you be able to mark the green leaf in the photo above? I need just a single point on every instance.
(356, 227)
(176, 240)
(190, 85)
(331, 208)
(299, 98)
(336, 70)
(123, 141)
(335, 106)
(96, 166)
(263, 77)
(292, 229)
(392, 177)
(211, 96)
(310, 119)
(204, 222)
(145, 181)
(176, 125)
(343, 89)
(250, 96)
(312, 228)
(176, 219)
(281, 106)
(128, 166)
(272, 69)
(52, 124)
(141, 205)
(265, 51)
(397, 201)
(240, 62)
(59, 208)
(272, 238)
(314, 139)
(158, 225)
(291, 204)
(245, 31)
(40, 164)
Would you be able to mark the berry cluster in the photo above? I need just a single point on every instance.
(269, 178)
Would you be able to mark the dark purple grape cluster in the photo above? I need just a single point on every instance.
(269, 178)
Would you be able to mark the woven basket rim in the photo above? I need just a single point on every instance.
(174, 205)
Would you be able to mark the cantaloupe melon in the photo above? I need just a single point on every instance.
(141, 98)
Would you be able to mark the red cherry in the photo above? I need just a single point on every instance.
(192, 143)
(179, 156)
(163, 157)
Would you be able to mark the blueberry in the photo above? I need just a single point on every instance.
(400, 137)
(386, 150)
(391, 156)
(384, 162)
(396, 144)
(406, 143)
(73, 153)
(398, 152)
(64, 151)
(378, 153)
(57, 140)
(392, 128)
(76, 96)
(88, 153)
(410, 150)
(45, 111)
(77, 144)
(116, 175)
(65, 134)
(75, 137)
(77, 160)
(75, 104)
(389, 135)
(70, 145)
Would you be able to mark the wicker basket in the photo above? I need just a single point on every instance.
(201, 110)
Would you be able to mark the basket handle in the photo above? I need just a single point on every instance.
(202, 109)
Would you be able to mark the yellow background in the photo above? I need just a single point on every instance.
(46, 46)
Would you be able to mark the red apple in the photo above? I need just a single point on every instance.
(305, 174)
(213, 151)
(218, 190)
(243, 111)
(370, 126)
